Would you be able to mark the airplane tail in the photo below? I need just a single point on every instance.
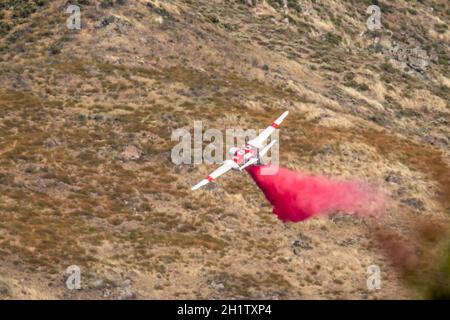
(266, 149)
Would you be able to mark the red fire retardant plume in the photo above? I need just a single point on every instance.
(297, 196)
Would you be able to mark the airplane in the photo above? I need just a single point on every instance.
(250, 154)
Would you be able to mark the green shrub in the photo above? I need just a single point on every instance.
(441, 27)
(333, 39)
(4, 28)
(56, 47)
(106, 3)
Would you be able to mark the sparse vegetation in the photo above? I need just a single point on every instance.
(86, 176)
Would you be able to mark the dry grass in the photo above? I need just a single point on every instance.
(72, 101)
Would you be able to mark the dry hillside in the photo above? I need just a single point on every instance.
(86, 118)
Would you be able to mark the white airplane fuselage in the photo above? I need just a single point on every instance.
(241, 155)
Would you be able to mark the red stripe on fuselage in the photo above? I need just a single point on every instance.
(274, 125)
(209, 178)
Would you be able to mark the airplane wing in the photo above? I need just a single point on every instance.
(267, 148)
(258, 142)
(224, 168)
(249, 163)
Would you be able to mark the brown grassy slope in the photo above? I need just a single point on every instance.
(72, 101)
